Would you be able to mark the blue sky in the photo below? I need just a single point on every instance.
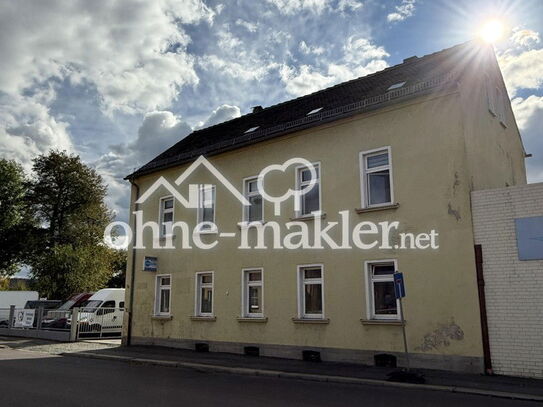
(118, 81)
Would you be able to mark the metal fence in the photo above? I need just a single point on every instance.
(71, 325)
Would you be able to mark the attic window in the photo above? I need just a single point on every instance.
(252, 129)
(314, 111)
(396, 86)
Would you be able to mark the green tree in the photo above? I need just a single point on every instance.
(119, 269)
(68, 199)
(16, 221)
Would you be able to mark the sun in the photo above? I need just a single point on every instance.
(492, 31)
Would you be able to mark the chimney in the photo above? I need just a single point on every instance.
(410, 59)
(257, 109)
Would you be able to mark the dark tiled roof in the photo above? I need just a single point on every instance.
(420, 74)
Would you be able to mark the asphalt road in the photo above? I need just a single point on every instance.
(43, 380)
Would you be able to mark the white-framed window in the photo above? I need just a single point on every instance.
(309, 202)
(163, 294)
(166, 215)
(254, 212)
(206, 207)
(380, 295)
(252, 299)
(310, 291)
(376, 177)
(204, 294)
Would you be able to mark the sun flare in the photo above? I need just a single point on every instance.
(492, 31)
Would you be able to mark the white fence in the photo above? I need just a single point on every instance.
(62, 325)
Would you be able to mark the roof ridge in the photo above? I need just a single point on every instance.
(389, 68)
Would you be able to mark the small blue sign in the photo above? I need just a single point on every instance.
(150, 263)
(530, 238)
(399, 287)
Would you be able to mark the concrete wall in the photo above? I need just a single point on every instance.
(513, 288)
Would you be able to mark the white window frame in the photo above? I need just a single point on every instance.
(158, 290)
(245, 284)
(247, 194)
(370, 303)
(302, 281)
(299, 184)
(364, 193)
(162, 212)
(198, 293)
(199, 210)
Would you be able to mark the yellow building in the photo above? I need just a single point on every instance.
(407, 145)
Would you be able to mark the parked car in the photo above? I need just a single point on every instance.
(17, 298)
(59, 318)
(103, 313)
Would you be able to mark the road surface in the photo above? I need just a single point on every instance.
(43, 380)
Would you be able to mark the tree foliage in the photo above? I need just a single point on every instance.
(16, 220)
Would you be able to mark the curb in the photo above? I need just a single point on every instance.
(306, 376)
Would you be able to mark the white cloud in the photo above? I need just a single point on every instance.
(522, 70)
(344, 5)
(529, 115)
(248, 70)
(525, 38)
(306, 49)
(290, 7)
(251, 27)
(360, 58)
(221, 114)
(133, 54)
(403, 11)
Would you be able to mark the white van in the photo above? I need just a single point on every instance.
(103, 313)
(17, 298)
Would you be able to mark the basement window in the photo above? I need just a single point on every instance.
(314, 111)
(252, 129)
(396, 86)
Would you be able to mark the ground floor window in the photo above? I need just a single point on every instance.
(162, 296)
(311, 293)
(252, 299)
(382, 303)
(204, 294)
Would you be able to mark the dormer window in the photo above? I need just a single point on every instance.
(252, 129)
(314, 111)
(396, 86)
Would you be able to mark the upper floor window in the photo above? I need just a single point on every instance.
(254, 212)
(311, 293)
(496, 100)
(162, 295)
(376, 173)
(166, 216)
(382, 302)
(311, 201)
(206, 207)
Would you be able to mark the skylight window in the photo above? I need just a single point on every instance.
(396, 86)
(252, 129)
(314, 111)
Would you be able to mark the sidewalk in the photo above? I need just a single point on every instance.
(498, 386)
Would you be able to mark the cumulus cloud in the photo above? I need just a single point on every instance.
(348, 5)
(529, 115)
(360, 58)
(221, 114)
(134, 55)
(525, 38)
(289, 7)
(251, 27)
(405, 10)
(522, 70)
(306, 49)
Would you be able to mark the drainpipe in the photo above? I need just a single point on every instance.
(132, 270)
(482, 308)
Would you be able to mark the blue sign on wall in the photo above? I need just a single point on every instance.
(399, 287)
(150, 263)
(530, 238)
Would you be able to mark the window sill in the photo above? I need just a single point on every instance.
(161, 317)
(201, 318)
(305, 218)
(377, 208)
(391, 322)
(311, 321)
(244, 225)
(253, 319)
